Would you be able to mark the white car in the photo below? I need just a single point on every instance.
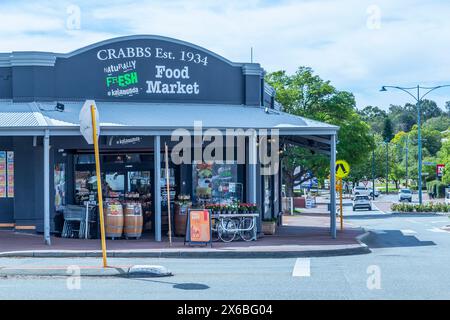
(360, 190)
(405, 195)
(362, 202)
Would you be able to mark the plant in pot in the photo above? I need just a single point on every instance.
(269, 226)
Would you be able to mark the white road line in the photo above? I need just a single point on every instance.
(407, 232)
(302, 268)
(378, 231)
(436, 230)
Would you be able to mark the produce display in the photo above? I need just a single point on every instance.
(215, 183)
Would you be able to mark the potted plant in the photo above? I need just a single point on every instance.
(269, 226)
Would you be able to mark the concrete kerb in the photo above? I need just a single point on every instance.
(361, 248)
(124, 272)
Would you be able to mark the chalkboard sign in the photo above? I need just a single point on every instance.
(198, 227)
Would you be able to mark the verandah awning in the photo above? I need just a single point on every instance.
(152, 118)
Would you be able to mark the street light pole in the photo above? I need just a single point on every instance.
(419, 143)
(387, 167)
(406, 159)
(419, 100)
(373, 170)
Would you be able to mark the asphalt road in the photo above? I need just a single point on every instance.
(410, 260)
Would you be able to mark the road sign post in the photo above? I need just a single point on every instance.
(342, 171)
(91, 132)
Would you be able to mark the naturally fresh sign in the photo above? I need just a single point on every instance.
(122, 80)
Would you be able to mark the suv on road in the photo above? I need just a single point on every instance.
(360, 190)
(361, 202)
(404, 195)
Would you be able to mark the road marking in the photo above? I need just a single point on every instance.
(439, 221)
(378, 231)
(302, 268)
(436, 230)
(407, 232)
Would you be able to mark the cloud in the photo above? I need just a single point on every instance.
(357, 44)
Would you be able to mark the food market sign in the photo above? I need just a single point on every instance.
(153, 69)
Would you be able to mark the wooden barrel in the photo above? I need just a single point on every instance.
(114, 220)
(180, 220)
(134, 220)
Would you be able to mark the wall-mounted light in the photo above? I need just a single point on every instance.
(59, 107)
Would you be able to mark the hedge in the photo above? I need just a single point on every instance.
(437, 187)
(429, 207)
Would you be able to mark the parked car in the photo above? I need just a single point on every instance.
(447, 197)
(362, 202)
(377, 193)
(360, 190)
(405, 195)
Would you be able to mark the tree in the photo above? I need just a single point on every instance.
(388, 131)
(306, 94)
(447, 108)
(403, 118)
(429, 109)
(374, 116)
(440, 123)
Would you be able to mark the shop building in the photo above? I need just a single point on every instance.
(145, 88)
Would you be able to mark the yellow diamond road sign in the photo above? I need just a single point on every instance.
(342, 168)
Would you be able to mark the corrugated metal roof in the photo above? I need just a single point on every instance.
(19, 115)
(171, 115)
(155, 116)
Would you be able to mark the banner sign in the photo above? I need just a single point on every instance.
(440, 170)
(10, 173)
(3, 192)
(198, 227)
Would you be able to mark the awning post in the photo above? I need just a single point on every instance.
(251, 168)
(157, 186)
(333, 187)
(47, 187)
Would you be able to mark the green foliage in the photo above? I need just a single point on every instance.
(306, 94)
(437, 187)
(440, 124)
(388, 131)
(420, 208)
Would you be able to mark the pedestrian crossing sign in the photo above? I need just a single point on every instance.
(342, 169)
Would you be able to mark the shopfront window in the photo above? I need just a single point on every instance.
(60, 185)
(216, 183)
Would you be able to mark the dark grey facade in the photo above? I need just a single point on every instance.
(145, 87)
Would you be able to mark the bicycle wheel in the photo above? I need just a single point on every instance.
(246, 229)
(214, 228)
(227, 230)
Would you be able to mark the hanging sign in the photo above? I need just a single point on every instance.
(85, 118)
(198, 227)
(342, 169)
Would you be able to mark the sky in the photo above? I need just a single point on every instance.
(358, 45)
